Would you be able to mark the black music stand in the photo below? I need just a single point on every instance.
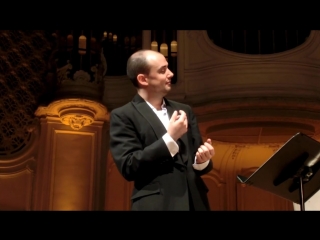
(292, 172)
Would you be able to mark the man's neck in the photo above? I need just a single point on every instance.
(155, 101)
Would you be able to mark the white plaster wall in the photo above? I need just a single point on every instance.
(313, 204)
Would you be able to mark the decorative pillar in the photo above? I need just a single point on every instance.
(72, 157)
(73, 141)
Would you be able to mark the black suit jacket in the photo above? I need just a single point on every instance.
(161, 182)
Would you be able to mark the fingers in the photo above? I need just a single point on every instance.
(174, 116)
(206, 151)
(182, 112)
(199, 158)
(178, 125)
(181, 117)
(210, 148)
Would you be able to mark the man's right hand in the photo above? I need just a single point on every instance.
(178, 125)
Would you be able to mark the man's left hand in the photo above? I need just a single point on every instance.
(205, 152)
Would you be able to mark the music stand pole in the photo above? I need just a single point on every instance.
(301, 194)
(304, 174)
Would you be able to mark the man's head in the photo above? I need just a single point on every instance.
(137, 64)
(149, 69)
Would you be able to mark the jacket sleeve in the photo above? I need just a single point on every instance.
(129, 153)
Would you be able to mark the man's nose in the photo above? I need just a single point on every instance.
(171, 74)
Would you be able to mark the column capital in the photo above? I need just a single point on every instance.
(76, 112)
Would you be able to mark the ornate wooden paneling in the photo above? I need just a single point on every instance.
(16, 190)
(254, 199)
(17, 174)
(118, 190)
(73, 170)
(217, 190)
(250, 198)
(69, 167)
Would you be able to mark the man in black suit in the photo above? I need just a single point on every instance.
(156, 142)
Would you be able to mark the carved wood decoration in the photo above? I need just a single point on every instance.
(16, 186)
(70, 169)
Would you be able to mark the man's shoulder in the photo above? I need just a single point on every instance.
(123, 108)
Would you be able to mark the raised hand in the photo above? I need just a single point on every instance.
(178, 124)
(205, 152)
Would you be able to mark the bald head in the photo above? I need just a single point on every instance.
(138, 63)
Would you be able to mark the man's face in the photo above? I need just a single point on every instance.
(159, 77)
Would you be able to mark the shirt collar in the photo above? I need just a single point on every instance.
(163, 106)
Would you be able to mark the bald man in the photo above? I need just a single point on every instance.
(156, 142)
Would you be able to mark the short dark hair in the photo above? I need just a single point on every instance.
(137, 64)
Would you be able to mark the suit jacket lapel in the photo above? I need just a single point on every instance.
(141, 105)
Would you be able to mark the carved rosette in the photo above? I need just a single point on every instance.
(76, 113)
(77, 118)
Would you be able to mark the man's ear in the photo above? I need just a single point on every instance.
(142, 80)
